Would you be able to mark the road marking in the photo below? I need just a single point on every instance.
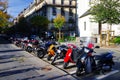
(72, 72)
(108, 74)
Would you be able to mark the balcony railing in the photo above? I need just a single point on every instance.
(59, 4)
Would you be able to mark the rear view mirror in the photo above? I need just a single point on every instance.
(97, 46)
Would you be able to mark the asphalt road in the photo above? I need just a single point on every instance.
(16, 64)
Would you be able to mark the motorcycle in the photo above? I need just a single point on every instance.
(72, 55)
(51, 51)
(104, 62)
(42, 49)
(32, 45)
(88, 63)
(60, 53)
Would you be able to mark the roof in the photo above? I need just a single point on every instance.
(85, 14)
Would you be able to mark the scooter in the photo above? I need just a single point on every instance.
(42, 49)
(51, 51)
(104, 62)
(60, 53)
(72, 55)
(32, 45)
(85, 61)
(88, 63)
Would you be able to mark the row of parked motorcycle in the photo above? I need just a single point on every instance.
(83, 57)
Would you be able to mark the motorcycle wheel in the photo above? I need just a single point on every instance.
(65, 65)
(40, 54)
(29, 49)
(78, 72)
(49, 57)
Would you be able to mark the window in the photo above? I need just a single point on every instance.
(70, 2)
(62, 11)
(84, 26)
(53, 1)
(70, 12)
(54, 11)
(62, 1)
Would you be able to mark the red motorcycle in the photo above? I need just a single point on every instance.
(73, 54)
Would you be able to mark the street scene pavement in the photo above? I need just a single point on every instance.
(16, 64)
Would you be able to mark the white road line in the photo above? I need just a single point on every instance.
(108, 74)
(72, 72)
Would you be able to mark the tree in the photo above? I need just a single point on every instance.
(4, 17)
(40, 22)
(106, 11)
(3, 5)
(59, 22)
(22, 26)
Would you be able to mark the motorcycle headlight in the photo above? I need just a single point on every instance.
(86, 50)
(58, 51)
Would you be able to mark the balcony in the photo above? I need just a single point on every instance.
(59, 4)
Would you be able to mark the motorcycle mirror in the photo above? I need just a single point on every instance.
(97, 46)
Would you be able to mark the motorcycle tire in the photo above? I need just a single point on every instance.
(78, 71)
(29, 49)
(65, 65)
(49, 57)
(88, 66)
(40, 54)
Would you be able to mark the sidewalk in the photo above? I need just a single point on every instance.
(113, 48)
(20, 65)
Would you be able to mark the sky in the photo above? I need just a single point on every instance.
(16, 6)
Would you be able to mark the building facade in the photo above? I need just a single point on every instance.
(50, 9)
(87, 28)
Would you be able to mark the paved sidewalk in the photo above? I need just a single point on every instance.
(16, 64)
(112, 48)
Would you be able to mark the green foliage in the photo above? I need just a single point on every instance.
(116, 40)
(4, 19)
(39, 21)
(22, 25)
(59, 21)
(106, 11)
(68, 38)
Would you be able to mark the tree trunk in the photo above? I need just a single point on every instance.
(100, 27)
(100, 32)
(109, 34)
(59, 34)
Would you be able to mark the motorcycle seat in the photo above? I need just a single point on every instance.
(102, 56)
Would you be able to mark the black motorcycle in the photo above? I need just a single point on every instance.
(60, 53)
(103, 62)
(88, 63)
(41, 51)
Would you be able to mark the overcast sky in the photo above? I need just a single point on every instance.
(16, 6)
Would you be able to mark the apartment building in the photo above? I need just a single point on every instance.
(50, 9)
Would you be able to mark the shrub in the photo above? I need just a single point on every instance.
(68, 38)
(116, 40)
